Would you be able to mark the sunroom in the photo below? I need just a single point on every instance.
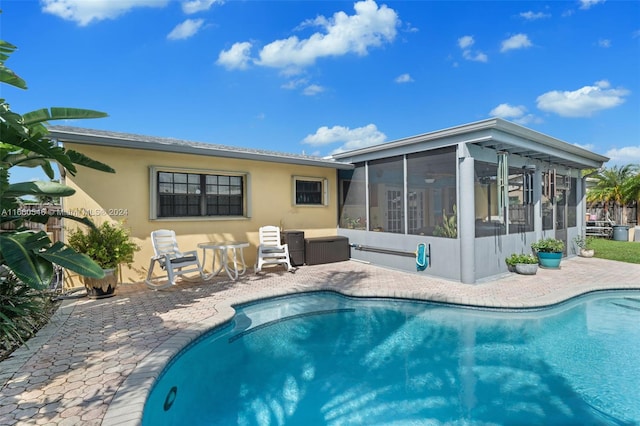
(470, 195)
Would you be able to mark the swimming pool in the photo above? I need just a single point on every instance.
(322, 358)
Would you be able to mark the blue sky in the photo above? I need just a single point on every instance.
(317, 77)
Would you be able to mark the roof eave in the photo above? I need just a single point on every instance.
(123, 142)
(576, 156)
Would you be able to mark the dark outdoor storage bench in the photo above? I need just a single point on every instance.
(326, 250)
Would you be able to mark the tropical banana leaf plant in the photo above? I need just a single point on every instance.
(24, 142)
(449, 226)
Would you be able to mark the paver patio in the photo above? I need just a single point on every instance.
(95, 362)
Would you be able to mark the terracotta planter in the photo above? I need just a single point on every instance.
(526, 268)
(100, 288)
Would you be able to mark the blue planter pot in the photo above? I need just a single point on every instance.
(549, 260)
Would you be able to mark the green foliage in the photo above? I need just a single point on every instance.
(548, 245)
(631, 187)
(24, 142)
(616, 186)
(26, 256)
(21, 310)
(449, 226)
(516, 258)
(609, 183)
(584, 243)
(109, 245)
(353, 222)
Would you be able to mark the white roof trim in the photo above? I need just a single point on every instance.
(494, 133)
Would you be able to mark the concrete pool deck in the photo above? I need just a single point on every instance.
(96, 361)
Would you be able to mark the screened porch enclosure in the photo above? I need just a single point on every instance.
(412, 194)
(475, 194)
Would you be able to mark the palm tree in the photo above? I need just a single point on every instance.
(631, 190)
(610, 188)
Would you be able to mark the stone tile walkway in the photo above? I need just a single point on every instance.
(96, 361)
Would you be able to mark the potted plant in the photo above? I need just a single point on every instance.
(549, 252)
(109, 245)
(525, 264)
(352, 222)
(511, 262)
(584, 245)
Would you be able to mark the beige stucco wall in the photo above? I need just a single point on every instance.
(125, 196)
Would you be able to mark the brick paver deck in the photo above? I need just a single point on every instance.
(97, 359)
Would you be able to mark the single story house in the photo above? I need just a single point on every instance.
(204, 192)
(473, 194)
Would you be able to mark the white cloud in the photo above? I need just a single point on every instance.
(518, 41)
(404, 78)
(532, 16)
(517, 114)
(194, 6)
(295, 83)
(312, 90)
(84, 11)
(408, 28)
(186, 29)
(237, 57)
(587, 4)
(622, 156)
(527, 119)
(508, 111)
(582, 102)
(476, 56)
(370, 26)
(588, 146)
(308, 89)
(603, 42)
(360, 137)
(465, 43)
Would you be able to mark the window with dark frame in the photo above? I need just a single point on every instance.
(194, 195)
(309, 192)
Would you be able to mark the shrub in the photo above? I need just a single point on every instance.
(516, 258)
(584, 243)
(109, 245)
(548, 245)
(22, 311)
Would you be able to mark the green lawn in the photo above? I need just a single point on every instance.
(624, 251)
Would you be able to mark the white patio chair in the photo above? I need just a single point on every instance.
(174, 262)
(270, 250)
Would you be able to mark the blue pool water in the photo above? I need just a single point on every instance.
(325, 359)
